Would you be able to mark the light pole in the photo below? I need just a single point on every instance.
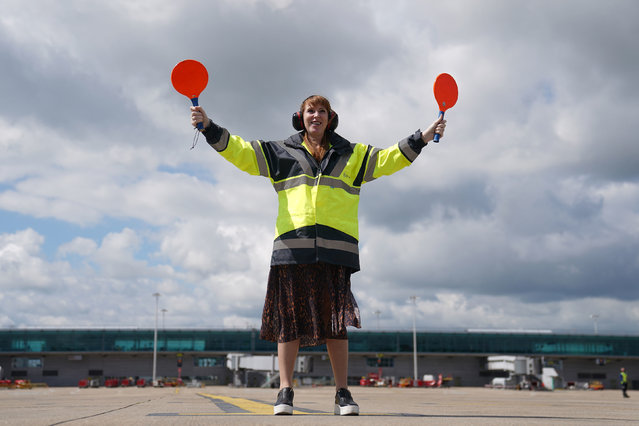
(155, 337)
(377, 312)
(594, 318)
(164, 311)
(414, 300)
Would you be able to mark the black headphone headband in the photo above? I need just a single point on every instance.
(298, 121)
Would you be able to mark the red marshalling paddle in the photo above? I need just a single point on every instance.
(446, 93)
(190, 78)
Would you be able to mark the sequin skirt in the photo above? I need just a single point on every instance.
(311, 302)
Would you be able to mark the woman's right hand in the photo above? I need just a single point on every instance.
(198, 115)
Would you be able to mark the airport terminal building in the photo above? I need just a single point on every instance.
(63, 357)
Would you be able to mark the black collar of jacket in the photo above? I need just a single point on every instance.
(339, 144)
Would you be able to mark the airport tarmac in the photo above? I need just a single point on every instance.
(313, 405)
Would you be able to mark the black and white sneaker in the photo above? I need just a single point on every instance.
(344, 404)
(284, 403)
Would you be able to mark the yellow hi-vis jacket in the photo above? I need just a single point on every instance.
(318, 202)
(623, 377)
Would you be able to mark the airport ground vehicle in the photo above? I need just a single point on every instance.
(374, 379)
(428, 381)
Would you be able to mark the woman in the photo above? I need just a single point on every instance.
(317, 175)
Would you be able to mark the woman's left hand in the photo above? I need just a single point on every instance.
(438, 126)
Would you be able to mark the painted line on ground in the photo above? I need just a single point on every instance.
(233, 406)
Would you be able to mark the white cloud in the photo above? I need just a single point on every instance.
(81, 246)
(20, 263)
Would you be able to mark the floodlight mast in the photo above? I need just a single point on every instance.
(155, 338)
(414, 300)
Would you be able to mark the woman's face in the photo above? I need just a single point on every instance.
(315, 119)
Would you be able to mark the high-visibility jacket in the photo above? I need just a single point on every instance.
(623, 377)
(318, 202)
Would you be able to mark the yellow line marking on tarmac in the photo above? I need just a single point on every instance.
(253, 407)
(270, 413)
(245, 404)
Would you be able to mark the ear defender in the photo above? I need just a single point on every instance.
(333, 121)
(298, 122)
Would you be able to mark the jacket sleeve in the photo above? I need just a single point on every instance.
(246, 156)
(384, 162)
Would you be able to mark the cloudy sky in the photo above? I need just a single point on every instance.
(525, 216)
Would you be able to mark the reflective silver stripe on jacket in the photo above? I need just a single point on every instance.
(261, 160)
(405, 148)
(293, 182)
(309, 181)
(341, 165)
(337, 183)
(223, 142)
(372, 163)
(301, 158)
(338, 245)
(309, 243)
(295, 243)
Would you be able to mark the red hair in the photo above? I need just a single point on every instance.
(316, 100)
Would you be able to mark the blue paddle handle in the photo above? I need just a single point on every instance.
(200, 126)
(436, 138)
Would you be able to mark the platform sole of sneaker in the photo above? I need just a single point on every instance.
(348, 410)
(282, 409)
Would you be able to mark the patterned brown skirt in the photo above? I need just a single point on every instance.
(310, 302)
